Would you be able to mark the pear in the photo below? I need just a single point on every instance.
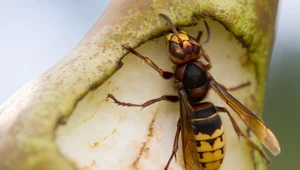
(62, 119)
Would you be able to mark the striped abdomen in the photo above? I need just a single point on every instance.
(209, 135)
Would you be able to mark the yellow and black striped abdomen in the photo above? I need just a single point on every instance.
(209, 136)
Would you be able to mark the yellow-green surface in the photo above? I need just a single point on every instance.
(28, 119)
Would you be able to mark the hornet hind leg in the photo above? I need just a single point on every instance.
(240, 133)
(175, 145)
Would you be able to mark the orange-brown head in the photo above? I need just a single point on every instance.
(182, 51)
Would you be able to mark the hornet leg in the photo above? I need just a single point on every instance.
(145, 104)
(175, 145)
(237, 87)
(240, 133)
(148, 61)
(204, 53)
(207, 58)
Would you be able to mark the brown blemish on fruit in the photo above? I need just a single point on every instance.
(114, 131)
(97, 143)
(89, 118)
(244, 62)
(144, 147)
(121, 118)
(88, 167)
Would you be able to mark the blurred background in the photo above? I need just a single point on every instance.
(35, 34)
(281, 111)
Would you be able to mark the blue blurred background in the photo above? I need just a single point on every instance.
(35, 34)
